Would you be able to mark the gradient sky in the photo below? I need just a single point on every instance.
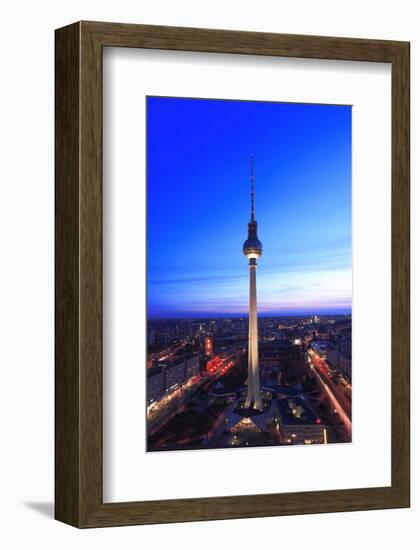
(198, 185)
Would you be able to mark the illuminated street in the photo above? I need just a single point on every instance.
(171, 404)
(336, 394)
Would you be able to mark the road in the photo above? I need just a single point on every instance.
(341, 389)
(173, 403)
(338, 396)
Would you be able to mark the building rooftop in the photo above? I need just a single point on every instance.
(295, 411)
(154, 370)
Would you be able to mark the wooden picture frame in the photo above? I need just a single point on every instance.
(78, 291)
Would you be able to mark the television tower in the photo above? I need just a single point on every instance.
(253, 249)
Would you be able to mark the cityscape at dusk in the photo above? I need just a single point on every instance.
(248, 355)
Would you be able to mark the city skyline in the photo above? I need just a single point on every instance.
(213, 384)
(198, 176)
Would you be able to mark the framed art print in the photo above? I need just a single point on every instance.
(232, 274)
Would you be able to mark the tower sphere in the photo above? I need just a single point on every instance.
(252, 247)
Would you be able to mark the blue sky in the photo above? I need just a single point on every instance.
(198, 200)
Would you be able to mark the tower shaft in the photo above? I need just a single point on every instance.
(253, 398)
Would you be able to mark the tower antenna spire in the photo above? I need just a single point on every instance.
(252, 188)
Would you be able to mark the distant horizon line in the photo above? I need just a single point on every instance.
(245, 316)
